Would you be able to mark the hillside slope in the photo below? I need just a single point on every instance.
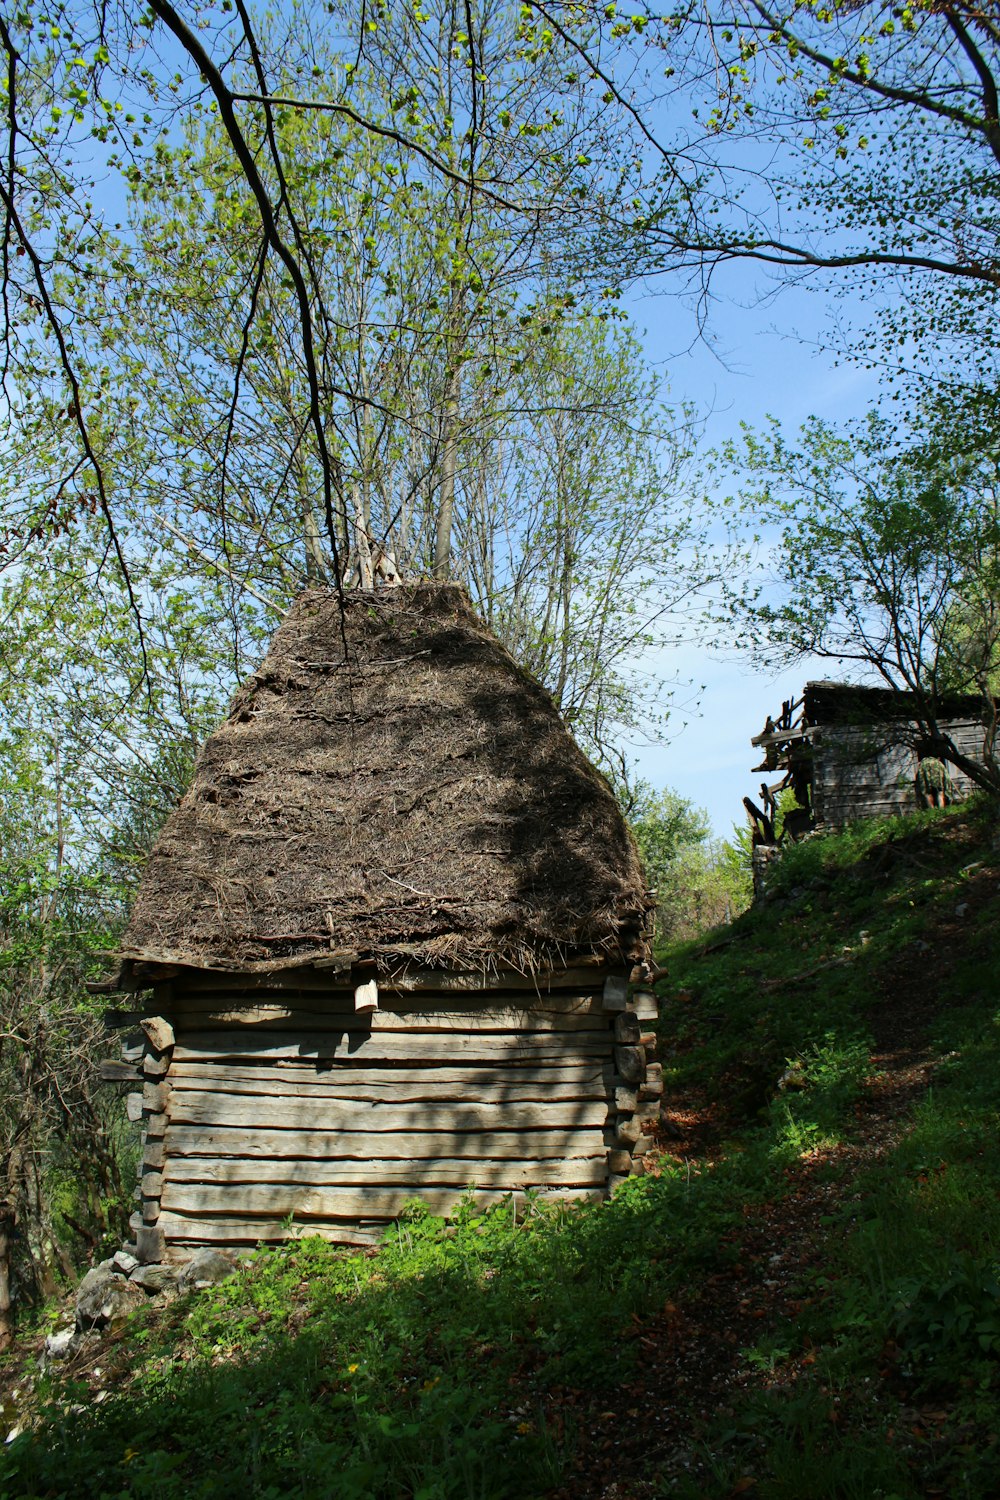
(801, 1299)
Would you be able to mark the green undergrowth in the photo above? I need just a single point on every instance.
(434, 1368)
(420, 1371)
(885, 1379)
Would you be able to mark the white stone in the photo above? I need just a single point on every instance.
(59, 1345)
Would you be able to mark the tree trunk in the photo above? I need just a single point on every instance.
(449, 466)
(316, 570)
(362, 541)
(6, 1248)
(449, 455)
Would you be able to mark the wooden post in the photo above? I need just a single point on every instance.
(159, 1032)
(366, 997)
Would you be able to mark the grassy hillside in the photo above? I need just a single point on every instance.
(802, 1299)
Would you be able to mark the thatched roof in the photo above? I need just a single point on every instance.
(846, 703)
(419, 801)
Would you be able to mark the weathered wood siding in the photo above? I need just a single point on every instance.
(286, 1112)
(860, 773)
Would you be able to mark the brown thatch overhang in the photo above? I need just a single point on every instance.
(390, 790)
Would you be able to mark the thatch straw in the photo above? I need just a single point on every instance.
(420, 800)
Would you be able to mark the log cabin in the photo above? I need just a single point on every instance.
(851, 752)
(392, 944)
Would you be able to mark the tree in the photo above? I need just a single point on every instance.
(59, 1156)
(860, 139)
(575, 537)
(699, 881)
(882, 556)
(561, 468)
(663, 823)
(89, 767)
(471, 101)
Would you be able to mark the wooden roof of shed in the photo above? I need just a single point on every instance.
(848, 703)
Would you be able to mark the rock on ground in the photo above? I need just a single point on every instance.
(103, 1297)
(205, 1269)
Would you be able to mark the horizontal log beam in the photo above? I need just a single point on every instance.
(362, 1094)
(113, 1071)
(360, 1145)
(278, 1201)
(502, 1049)
(414, 1172)
(446, 1011)
(180, 1229)
(453, 1116)
(357, 1081)
(280, 1018)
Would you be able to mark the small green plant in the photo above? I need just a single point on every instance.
(939, 1323)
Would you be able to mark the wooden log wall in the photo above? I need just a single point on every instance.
(272, 1112)
(853, 780)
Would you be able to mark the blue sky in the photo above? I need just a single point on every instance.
(766, 363)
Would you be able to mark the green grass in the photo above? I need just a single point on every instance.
(437, 1368)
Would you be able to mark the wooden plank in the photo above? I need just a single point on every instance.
(133, 1107)
(113, 1071)
(625, 1133)
(356, 1081)
(155, 1097)
(366, 999)
(456, 1006)
(501, 1048)
(298, 1113)
(323, 1145)
(278, 1201)
(417, 1172)
(109, 986)
(615, 993)
(149, 1243)
(362, 1095)
(179, 1229)
(428, 1094)
(153, 1154)
(303, 1018)
(631, 1063)
(626, 1027)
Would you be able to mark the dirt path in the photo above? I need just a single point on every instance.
(693, 1367)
